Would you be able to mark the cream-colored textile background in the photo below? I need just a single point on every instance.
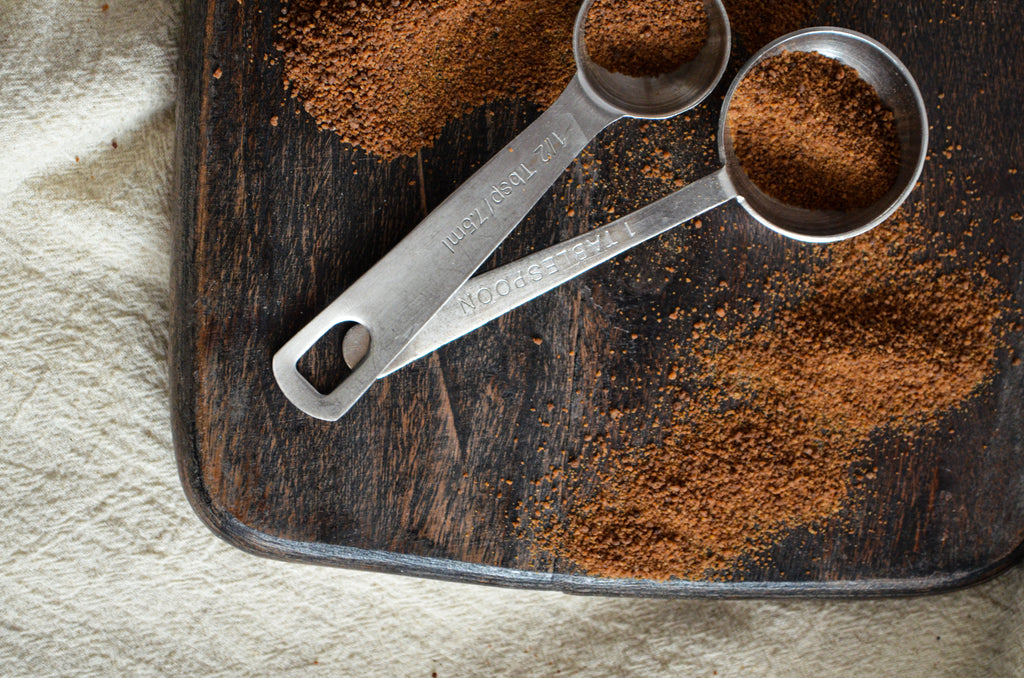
(104, 569)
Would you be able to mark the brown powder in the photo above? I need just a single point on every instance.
(762, 439)
(644, 38)
(809, 132)
(755, 23)
(386, 75)
(768, 432)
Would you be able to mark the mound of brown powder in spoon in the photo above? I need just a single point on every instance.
(811, 133)
(644, 38)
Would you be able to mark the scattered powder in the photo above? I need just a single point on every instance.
(809, 132)
(755, 23)
(644, 38)
(387, 75)
(774, 413)
(770, 430)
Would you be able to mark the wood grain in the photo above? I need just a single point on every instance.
(430, 472)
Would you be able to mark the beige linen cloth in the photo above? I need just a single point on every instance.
(104, 569)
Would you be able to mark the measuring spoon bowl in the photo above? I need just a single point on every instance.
(661, 96)
(490, 295)
(895, 85)
(392, 301)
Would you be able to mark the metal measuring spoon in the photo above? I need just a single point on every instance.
(492, 294)
(392, 301)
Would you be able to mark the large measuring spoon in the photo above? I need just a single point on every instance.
(492, 294)
(392, 301)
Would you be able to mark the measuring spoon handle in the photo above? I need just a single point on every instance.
(397, 297)
(493, 294)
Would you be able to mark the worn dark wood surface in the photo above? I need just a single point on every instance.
(426, 474)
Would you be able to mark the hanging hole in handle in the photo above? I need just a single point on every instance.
(332, 358)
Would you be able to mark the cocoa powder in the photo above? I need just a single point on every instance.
(773, 410)
(643, 38)
(387, 75)
(755, 23)
(811, 133)
(772, 420)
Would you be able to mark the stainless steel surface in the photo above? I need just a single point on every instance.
(493, 294)
(488, 296)
(399, 295)
(881, 69)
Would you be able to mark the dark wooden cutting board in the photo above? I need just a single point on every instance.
(425, 476)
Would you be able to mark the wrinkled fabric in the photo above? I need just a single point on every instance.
(105, 570)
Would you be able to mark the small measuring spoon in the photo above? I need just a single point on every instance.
(492, 294)
(392, 301)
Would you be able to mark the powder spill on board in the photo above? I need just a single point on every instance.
(770, 424)
(811, 133)
(755, 23)
(645, 38)
(386, 75)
